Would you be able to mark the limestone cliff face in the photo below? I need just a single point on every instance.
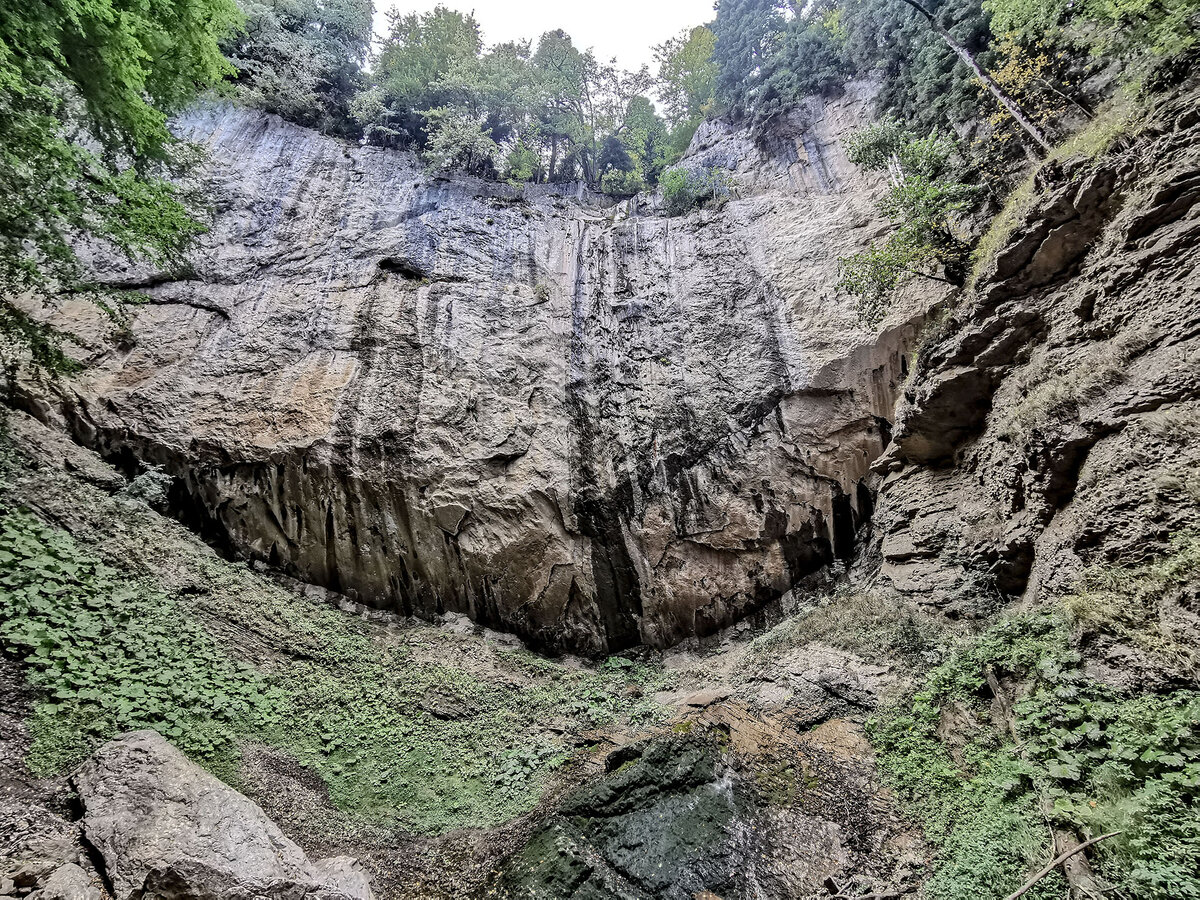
(1053, 422)
(572, 418)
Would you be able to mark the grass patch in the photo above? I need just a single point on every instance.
(408, 727)
(876, 627)
(1053, 398)
(113, 655)
(1118, 117)
(1088, 759)
(1128, 602)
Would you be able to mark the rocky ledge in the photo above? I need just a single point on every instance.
(1050, 426)
(572, 418)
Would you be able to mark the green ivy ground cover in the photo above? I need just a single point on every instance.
(400, 736)
(1089, 758)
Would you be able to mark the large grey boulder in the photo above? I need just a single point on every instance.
(168, 830)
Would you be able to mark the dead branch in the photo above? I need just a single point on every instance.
(1057, 861)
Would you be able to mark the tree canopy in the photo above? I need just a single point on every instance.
(86, 87)
(543, 111)
(303, 59)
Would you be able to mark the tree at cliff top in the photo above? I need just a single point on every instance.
(527, 113)
(687, 82)
(772, 53)
(85, 90)
(302, 59)
(926, 197)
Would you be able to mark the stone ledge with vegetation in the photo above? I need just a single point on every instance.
(850, 392)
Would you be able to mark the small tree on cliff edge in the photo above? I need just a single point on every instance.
(924, 202)
(1014, 109)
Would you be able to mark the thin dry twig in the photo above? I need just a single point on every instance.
(1057, 861)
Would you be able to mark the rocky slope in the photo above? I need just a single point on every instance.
(442, 757)
(1052, 422)
(576, 419)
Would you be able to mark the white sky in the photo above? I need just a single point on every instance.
(626, 29)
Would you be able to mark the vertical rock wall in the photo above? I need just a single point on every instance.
(570, 417)
(1053, 425)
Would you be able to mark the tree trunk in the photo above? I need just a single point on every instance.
(965, 55)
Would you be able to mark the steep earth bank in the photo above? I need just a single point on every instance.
(576, 419)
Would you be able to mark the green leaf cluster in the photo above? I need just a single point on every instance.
(524, 111)
(1088, 758)
(686, 189)
(302, 59)
(926, 198)
(111, 655)
(85, 90)
(687, 82)
(770, 54)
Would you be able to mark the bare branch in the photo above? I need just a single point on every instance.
(1057, 861)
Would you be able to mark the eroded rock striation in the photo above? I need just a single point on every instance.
(566, 416)
(1051, 425)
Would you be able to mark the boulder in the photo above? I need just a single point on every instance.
(69, 882)
(169, 830)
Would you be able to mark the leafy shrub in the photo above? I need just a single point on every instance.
(685, 189)
(925, 200)
(150, 486)
(520, 163)
(455, 140)
(622, 183)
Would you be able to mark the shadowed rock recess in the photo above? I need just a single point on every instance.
(572, 418)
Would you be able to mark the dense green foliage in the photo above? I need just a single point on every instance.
(112, 655)
(926, 197)
(523, 112)
(302, 58)
(687, 82)
(772, 53)
(85, 90)
(1087, 757)
(398, 729)
(685, 189)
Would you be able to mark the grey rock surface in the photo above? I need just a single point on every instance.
(68, 882)
(1053, 424)
(567, 417)
(168, 829)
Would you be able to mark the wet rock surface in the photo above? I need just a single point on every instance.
(573, 419)
(713, 810)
